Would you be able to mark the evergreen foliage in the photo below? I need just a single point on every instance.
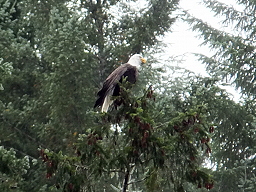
(131, 147)
(233, 61)
(55, 54)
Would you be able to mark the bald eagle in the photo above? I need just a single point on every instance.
(128, 71)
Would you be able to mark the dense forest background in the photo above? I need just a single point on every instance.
(176, 131)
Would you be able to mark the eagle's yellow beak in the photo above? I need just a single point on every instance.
(143, 60)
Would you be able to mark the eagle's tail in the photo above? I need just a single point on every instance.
(107, 102)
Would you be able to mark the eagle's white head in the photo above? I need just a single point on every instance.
(136, 60)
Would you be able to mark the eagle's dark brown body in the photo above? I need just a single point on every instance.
(111, 86)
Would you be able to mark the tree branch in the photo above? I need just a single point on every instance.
(126, 179)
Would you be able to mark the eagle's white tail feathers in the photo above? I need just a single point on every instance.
(106, 104)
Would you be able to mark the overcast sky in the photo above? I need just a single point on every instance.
(183, 42)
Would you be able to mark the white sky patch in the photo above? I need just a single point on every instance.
(183, 42)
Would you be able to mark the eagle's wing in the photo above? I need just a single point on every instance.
(111, 82)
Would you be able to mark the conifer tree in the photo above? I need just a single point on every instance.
(58, 53)
(234, 151)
